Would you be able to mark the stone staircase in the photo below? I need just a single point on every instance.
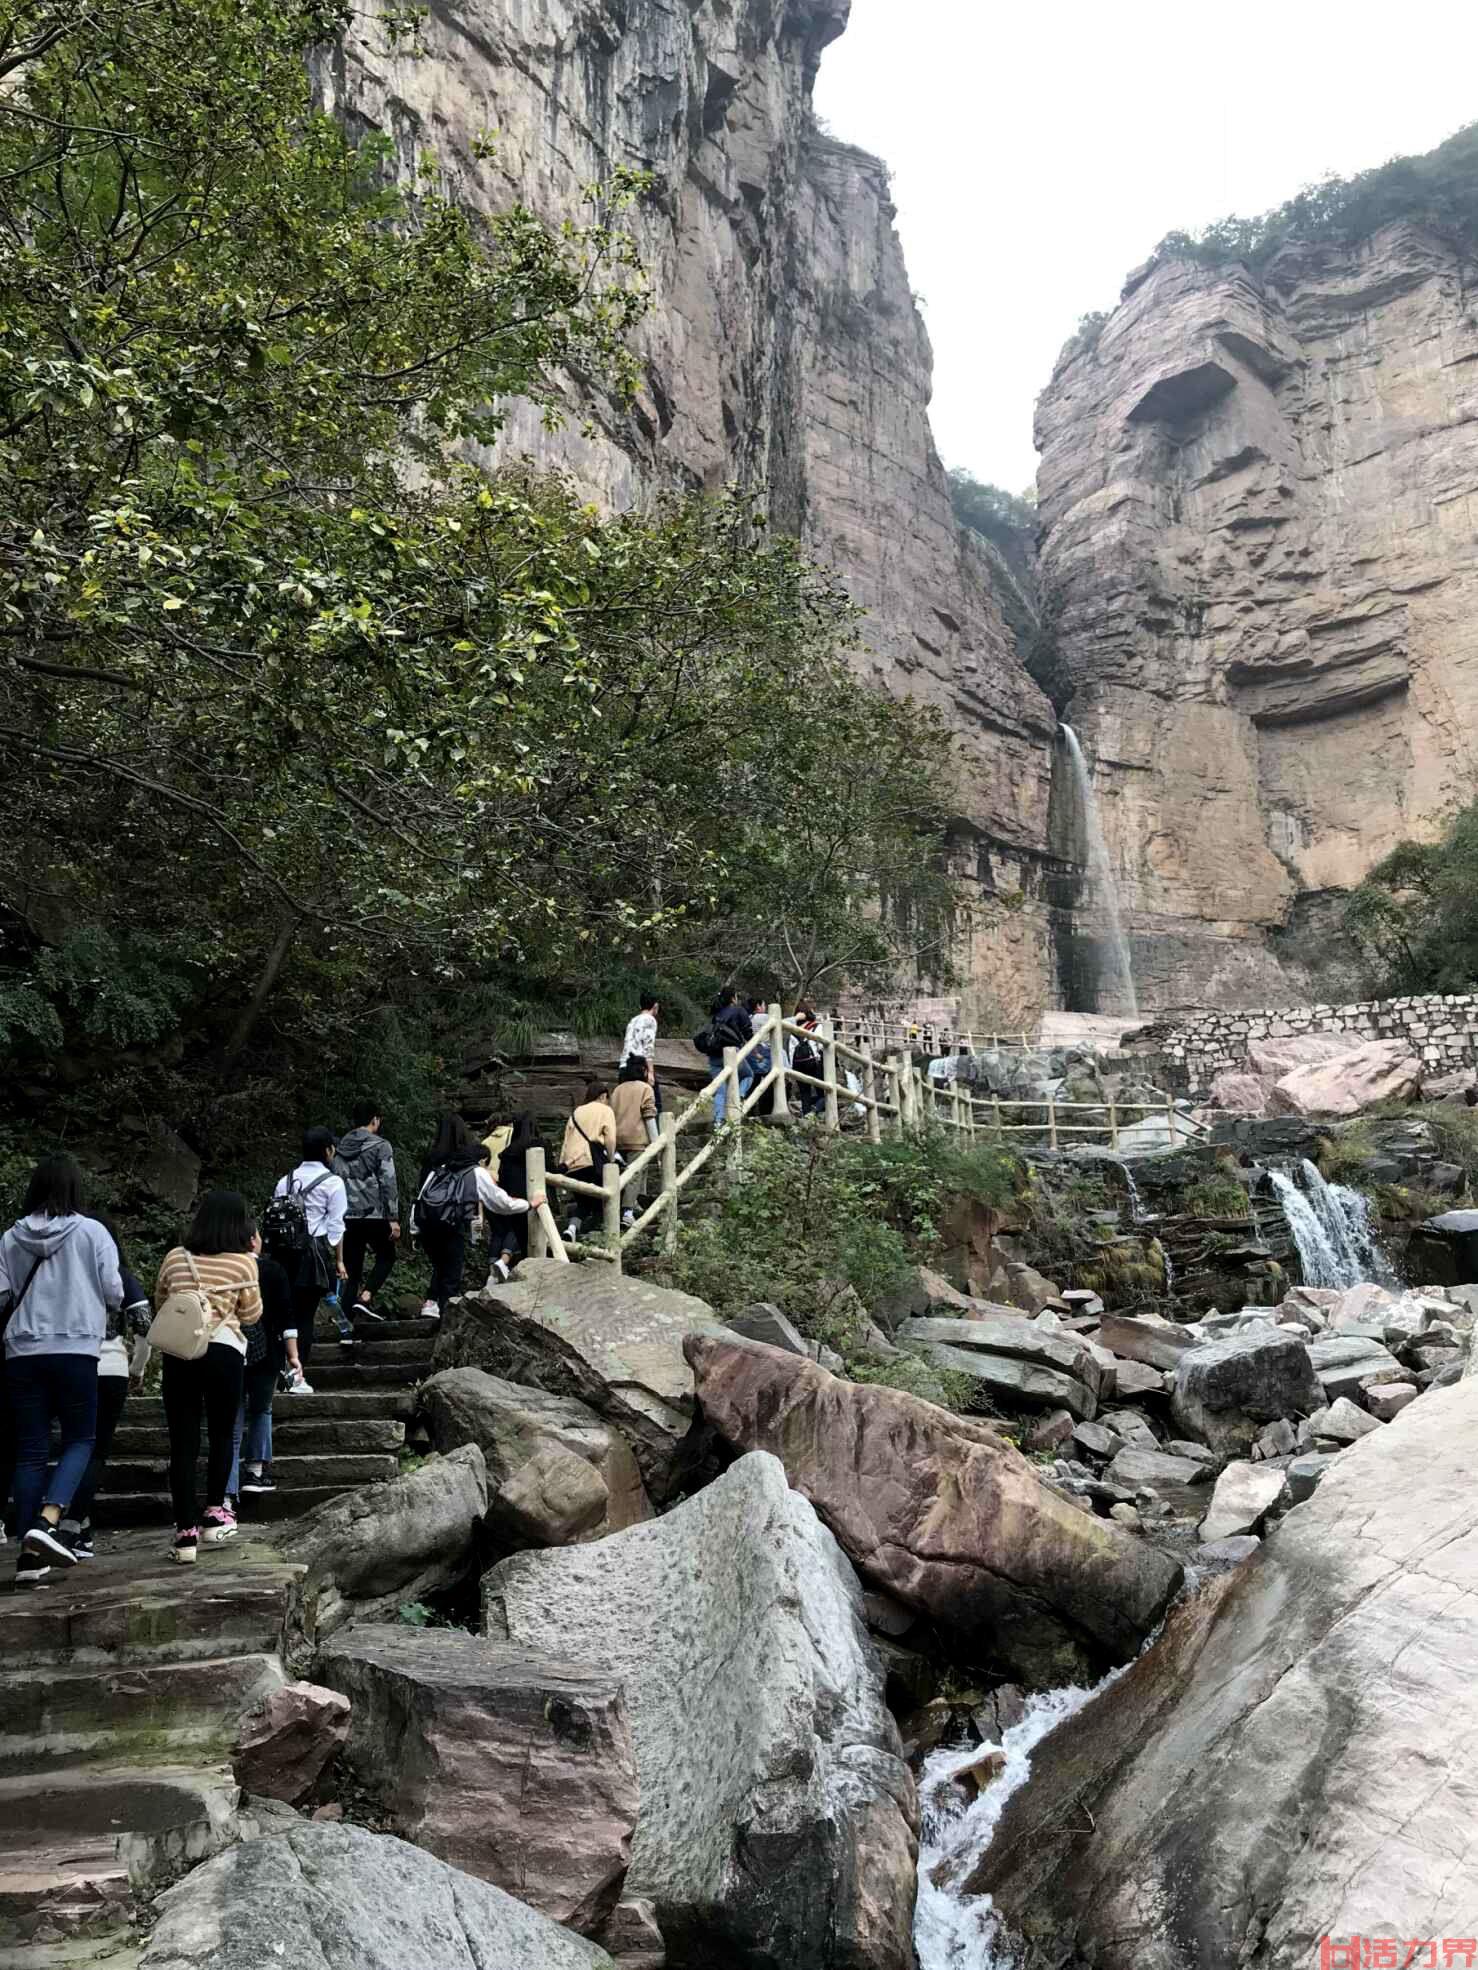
(124, 1679)
(349, 1432)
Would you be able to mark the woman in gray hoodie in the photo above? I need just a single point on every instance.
(58, 1279)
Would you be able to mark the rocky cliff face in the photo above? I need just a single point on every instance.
(1258, 496)
(783, 347)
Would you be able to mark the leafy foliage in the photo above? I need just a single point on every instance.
(1439, 189)
(1415, 917)
(1456, 1130)
(819, 1218)
(310, 713)
(1001, 516)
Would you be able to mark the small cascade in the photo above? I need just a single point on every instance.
(1104, 888)
(1136, 1202)
(954, 1931)
(1331, 1229)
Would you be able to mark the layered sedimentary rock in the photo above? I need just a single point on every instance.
(783, 348)
(1257, 497)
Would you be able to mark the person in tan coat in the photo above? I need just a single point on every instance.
(589, 1144)
(634, 1104)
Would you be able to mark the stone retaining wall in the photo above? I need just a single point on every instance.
(1442, 1032)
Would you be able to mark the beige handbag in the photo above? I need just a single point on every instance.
(182, 1327)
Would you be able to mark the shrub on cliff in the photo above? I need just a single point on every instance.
(1415, 916)
(1438, 189)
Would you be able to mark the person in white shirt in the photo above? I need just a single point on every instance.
(455, 1185)
(325, 1203)
(640, 1042)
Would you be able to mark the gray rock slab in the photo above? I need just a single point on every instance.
(777, 1814)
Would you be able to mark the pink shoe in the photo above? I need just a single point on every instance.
(220, 1524)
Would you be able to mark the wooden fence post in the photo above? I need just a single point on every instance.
(733, 1111)
(832, 1112)
(611, 1179)
(535, 1182)
(870, 1089)
(995, 1103)
(1171, 1120)
(898, 1094)
(1051, 1122)
(1113, 1113)
(781, 1109)
(669, 1179)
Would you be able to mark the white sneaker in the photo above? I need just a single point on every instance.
(301, 1386)
(628, 1219)
(572, 1231)
(430, 1310)
(503, 1269)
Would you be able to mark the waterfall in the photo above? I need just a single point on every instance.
(1101, 876)
(1330, 1225)
(961, 1932)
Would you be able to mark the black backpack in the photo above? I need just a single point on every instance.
(448, 1199)
(285, 1220)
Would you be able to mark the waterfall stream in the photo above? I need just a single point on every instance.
(1331, 1229)
(1101, 876)
(953, 1931)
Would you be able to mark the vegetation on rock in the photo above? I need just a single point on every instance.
(1438, 189)
(1415, 916)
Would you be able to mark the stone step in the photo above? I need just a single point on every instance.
(349, 1376)
(137, 1712)
(326, 1333)
(383, 1401)
(371, 1346)
(122, 1474)
(111, 1946)
(60, 1865)
(134, 1604)
(300, 1429)
(133, 1509)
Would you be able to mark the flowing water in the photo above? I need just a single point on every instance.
(1330, 1226)
(1105, 890)
(955, 1931)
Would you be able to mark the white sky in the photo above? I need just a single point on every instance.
(1040, 150)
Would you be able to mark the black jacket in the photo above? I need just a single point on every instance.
(733, 1027)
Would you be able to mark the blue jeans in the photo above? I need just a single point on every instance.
(754, 1069)
(721, 1099)
(38, 1388)
(252, 1437)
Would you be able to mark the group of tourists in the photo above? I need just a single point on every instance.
(231, 1316)
(235, 1302)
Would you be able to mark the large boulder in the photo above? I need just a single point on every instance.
(611, 1341)
(1014, 1358)
(1343, 1362)
(777, 1815)
(517, 1768)
(939, 1512)
(557, 1472)
(1225, 1390)
(1291, 1760)
(1273, 1058)
(367, 1552)
(1380, 1070)
(1147, 1339)
(338, 1898)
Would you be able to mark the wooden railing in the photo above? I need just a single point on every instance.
(892, 1097)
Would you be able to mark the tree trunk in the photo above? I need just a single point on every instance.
(267, 979)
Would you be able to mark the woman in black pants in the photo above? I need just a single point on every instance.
(216, 1258)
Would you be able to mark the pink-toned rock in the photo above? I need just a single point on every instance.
(1441, 1087)
(1381, 1070)
(1246, 1092)
(935, 1509)
(286, 1742)
(1272, 1059)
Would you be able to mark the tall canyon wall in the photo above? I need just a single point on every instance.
(1259, 509)
(783, 348)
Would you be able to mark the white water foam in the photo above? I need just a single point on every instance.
(955, 1931)
(1101, 875)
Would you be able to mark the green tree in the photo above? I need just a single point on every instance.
(294, 691)
(1415, 917)
(1001, 516)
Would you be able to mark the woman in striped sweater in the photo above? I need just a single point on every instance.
(216, 1256)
